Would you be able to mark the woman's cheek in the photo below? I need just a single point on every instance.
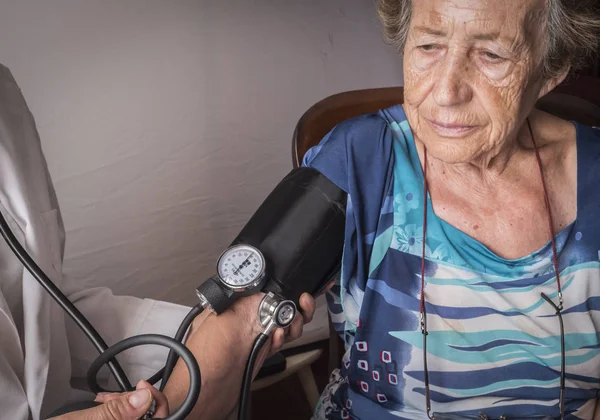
(416, 86)
(425, 62)
(496, 74)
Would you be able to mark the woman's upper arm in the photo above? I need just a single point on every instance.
(356, 156)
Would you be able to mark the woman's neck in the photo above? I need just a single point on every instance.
(498, 199)
(508, 163)
(487, 171)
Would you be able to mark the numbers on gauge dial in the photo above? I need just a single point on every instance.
(240, 266)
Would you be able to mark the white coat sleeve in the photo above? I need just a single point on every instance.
(115, 318)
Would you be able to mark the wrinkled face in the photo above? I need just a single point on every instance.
(471, 74)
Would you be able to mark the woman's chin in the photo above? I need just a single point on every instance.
(453, 150)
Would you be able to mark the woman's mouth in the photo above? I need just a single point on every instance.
(450, 129)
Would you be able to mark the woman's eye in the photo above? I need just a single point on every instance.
(428, 47)
(491, 57)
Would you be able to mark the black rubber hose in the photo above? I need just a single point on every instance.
(161, 340)
(156, 377)
(63, 301)
(179, 336)
(258, 344)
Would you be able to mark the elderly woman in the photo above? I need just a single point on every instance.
(473, 229)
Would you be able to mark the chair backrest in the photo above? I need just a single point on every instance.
(577, 100)
(320, 118)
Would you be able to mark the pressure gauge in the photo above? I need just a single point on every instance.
(241, 267)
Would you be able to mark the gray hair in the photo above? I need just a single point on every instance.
(572, 31)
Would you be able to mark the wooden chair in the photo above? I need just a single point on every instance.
(320, 118)
(577, 100)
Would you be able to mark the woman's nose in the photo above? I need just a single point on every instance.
(452, 86)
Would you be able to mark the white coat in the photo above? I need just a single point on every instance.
(43, 355)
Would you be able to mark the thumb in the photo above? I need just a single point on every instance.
(129, 406)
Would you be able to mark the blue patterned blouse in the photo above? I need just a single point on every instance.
(493, 343)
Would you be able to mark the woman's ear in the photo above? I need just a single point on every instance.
(550, 84)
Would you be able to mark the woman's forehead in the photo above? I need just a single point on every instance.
(478, 18)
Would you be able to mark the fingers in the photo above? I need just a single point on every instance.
(277, 340)
(107, 396)
(162, 405)
(131, 405)
(161, 408)
(328, 288)
(126, 406)
(307, 304)
(295, 330)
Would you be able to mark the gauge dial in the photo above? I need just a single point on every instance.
(241, 266)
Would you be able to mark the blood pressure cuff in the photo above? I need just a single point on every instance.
(299, 229)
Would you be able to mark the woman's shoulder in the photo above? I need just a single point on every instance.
(360, 130)
(361, 134)
(567, 143)
(588, 136)
(588, 157)
(358, 145)
(561, 133)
